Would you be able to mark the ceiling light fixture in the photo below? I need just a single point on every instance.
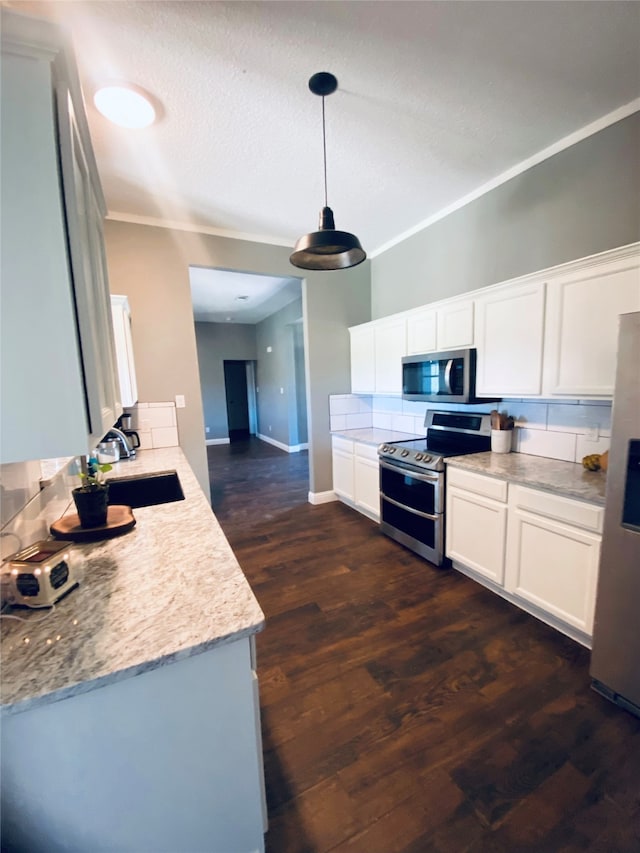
(326, 249)
(125, 106)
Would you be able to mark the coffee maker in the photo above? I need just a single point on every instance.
(124, 424)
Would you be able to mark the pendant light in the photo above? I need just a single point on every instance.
(326, 249)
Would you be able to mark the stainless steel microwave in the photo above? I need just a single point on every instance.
(442, 377)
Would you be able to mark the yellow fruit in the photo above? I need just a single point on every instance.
(591, 462)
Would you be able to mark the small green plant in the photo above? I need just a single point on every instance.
(92, 473)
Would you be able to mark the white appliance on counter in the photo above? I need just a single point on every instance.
(121, 315)
(616, 635)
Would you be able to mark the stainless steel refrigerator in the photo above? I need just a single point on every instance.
(615, 659)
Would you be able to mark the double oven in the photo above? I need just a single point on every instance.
(412, 479)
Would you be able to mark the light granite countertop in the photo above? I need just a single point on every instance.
(552, 475)
(375, 435)
(168, 589)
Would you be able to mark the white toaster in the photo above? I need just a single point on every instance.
(40, 574)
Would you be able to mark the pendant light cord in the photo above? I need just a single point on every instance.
(324, 149)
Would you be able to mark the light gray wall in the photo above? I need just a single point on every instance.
(217, 342)
(300, 383)
(276, 370)
(151, 266)
(582, 201)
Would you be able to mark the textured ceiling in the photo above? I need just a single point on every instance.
(435, 99)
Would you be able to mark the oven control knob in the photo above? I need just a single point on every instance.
(384, 448)
(419, 457)
(392, 449)
(427, 458)
(405, 452)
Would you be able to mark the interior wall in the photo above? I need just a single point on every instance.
(151, 266)
(579, 202)
(276, 377)
(215, 343)
(300, 382)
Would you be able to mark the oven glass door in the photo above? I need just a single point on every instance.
(411, 509)
(421, 491)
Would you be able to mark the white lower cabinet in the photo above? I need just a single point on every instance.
(367, 479)
(476, 522)
(553, 549)
(343, 475)
(356, 474)
(538, 550)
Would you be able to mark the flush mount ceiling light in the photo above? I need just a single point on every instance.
(326, 249)
(125, 106)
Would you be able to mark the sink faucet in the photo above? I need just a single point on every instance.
(126, 450)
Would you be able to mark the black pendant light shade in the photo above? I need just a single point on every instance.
(326, 249)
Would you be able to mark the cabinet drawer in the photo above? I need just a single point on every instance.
(490, 487)
(366, 451)
(343, 444)
(582, 514)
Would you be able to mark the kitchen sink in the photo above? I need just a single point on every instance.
(158, 487)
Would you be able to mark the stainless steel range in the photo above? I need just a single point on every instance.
(412, 479)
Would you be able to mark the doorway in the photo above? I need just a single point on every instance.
(239, 386)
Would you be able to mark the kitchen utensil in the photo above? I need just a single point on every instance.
(501, 440)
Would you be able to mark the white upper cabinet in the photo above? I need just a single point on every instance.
(376, 356)
(121, 316)
(390, 347)
(363, 355)
(582, 326)
(509, 332)
(455, 325)
(422, 331)
(443, 327)
(58, 384)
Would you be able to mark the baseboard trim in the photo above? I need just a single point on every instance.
(288, 448)
(322, 497)
(211, 441)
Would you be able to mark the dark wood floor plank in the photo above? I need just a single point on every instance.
(405, 708)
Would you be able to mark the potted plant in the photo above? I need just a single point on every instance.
(91, 498)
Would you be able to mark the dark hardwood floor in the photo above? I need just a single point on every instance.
(406, 709)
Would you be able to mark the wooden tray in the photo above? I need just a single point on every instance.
(120, 519)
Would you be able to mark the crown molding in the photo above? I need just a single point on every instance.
(134, 219)
(566, 142)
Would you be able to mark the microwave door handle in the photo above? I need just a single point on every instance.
(447, 375)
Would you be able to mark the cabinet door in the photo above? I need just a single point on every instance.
(553, 566)
(121, 317)
(343, 473)
(41, 384)
(390, 347)
(582, 333)
(363, 359)
(367, 481)
(476, 532)
(90, 284)
(421, 331)
(509, 333)
(455, 325)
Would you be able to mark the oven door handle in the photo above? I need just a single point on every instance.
(402, 466)
(409, 509)
(447, 375)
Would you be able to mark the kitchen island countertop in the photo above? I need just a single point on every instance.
(168, 589)
(553, 475)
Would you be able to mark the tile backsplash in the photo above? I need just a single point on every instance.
(155, 423)
(565, 430)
